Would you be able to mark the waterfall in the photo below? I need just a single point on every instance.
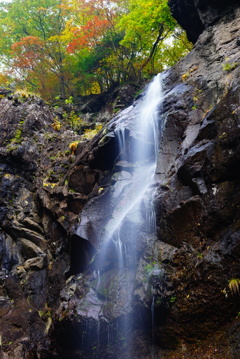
(133, 182)
(132, 216)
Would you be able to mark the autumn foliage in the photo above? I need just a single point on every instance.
(27, 52)
(69, 47)
(88, 35)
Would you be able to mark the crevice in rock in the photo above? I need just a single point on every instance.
(81, 254)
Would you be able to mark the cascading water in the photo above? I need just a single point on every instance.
(132, 218)
(132, 182)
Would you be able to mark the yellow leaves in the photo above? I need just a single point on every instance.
(54, 38)
(49, 184)
(4, 80)
(23, 93)
(100, 190)
(56, 125)
(188, 73)
(185, 76)
(94, 89)
(42, 9)
(98, 127)
(73, 146)
(234, 285)
(89, 134)
(229, 66)
(7, 176)
(67, 34)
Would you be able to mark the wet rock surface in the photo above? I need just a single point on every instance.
(185, 303)
(183, 277)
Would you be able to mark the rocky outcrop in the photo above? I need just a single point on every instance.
(34, 253)
(41, 197)
(186, 282)
(185, 277)
(196, 15)
(197, 197)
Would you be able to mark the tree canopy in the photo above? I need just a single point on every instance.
(68, 47)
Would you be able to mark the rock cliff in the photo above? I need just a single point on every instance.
(186, 289)
(196, 15)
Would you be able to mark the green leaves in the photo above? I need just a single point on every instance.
(67, 47)
(149, 29)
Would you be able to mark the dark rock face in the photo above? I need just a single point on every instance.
(197, 201)
(186, 281)
(196, 15)
(32, 259)
(197, 204)
(41, 197)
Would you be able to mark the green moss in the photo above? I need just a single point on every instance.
(149, 267)
(229, 66)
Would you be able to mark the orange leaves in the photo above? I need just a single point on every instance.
(27, 51)
(92, 21)
(26, 42)
(88, 35)
(25, 61)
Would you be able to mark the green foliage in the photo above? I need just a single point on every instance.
(18, 135)
(65, 48)
(153, 34)
(158, 301)
(149, 267)
(229, 66)
(69, 100)
(73, 120)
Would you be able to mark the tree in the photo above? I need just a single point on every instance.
(68, 47)
(30, 43)
(94, 41)
(149, 29)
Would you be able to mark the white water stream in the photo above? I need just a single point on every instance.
(132, 213)
(132, 185)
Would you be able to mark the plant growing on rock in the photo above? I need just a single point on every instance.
(73, 120)
(73, 146)
(229, 66)
(188, 73)
(234, 285)
(56, 125)
(89, 134)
